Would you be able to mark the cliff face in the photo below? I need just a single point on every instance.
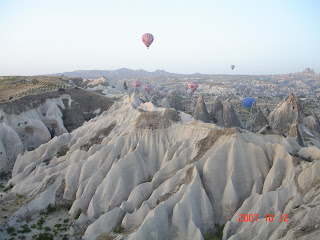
(30, 121)
(175, 101)
(256, 122)
(201, 111)
(147, 170)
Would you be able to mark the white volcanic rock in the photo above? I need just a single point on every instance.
(165, 103)
(216, 113)
(297, 197)
(256, 121)
(33, 125)
(313, 124)
(265, 110)
(175, 101)
(282, 117)
(291, 119)
(295, 133)
(201, 112)
(29, 129)
(310, 152)
(193, 104)
(108, 91)
(230, 118)
(253, 109)
(10, 146)
(160, 176)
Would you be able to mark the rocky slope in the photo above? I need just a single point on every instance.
(30, 121)
(142, 172)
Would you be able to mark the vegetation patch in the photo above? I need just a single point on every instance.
(8, 188)
(43, 236)
(11, 231)
(40, 223)
(63, 151)
(78, 213)
(119, 229)
(24, 229)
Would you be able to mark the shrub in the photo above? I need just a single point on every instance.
(78, 213)
(119, 230)
(20, 195)
(50, 209)
(25, 229)
(8, 188)
(62, 152)
(47, 229)
(11, 231)
(40, 223)
(44, 236)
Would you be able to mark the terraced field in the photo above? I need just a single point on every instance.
(12, 88)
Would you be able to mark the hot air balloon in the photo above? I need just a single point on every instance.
(193, 85)
(147, 39)
(147, 88)
(247, 103)
(232, 67)
(136, 83)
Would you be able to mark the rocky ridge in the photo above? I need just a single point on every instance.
(152, 172)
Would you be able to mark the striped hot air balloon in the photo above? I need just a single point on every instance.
(136, 83)
(147, 39)
(193, 85)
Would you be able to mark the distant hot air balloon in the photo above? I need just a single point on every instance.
(147, 39)
(193, 85)
(136, 83)
(247, 103)
(232, 67)
(147, 88)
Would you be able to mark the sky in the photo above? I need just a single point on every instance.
(206, 36)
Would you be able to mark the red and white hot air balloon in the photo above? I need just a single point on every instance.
(136, 83)
(147, 88)
(147, 39)
(193, 85)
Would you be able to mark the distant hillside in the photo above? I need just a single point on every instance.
(114, 74)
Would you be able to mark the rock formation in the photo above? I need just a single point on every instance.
(175, 101)
(290, 118)
(216, 113)
(230, 118)
(138, 172)
(253, 109)
(282, 117)
(256, 122)
(265, 110)
(165, 103)
(201, 111)
(295, 133)
(125, 86)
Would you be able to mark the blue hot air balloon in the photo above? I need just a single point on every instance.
(247, 103)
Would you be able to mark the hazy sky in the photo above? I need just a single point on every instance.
(206, 36)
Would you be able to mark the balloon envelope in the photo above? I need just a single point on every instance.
(247, 102)
(136, 84)
(193, 85)
(232, 67)
(147, 39)
(147, 88)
